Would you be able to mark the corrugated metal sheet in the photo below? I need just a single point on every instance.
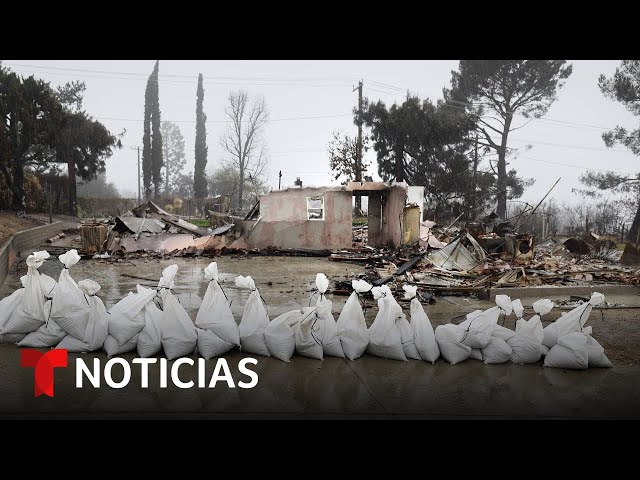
(133, 224)
(456, 256)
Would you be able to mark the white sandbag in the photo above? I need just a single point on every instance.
(476, 354)
(407, 333)
(352, 328)
(72, 344)
(179, 336)
(126, 319)
(425, 341)
(530, 328)
(330, 342)
(46, 282)
(7, 307)
(214, 313)
(478, 332)
(308, 334)
(449, 338)
(112, 347)
(542, 307)
(41, 256)
(97, 326)
(385, 339)
(9, 304)
(351, 324)
(572, 321)
(210, 345)
(254, 320)
(280, 334)
(518, 309)
(12, 337)
(524, 350)
(27, 315)
(596, 355)
(407, 336)
(322, 283)
(245, 282)
(360, 286)
(48, 335)
(496, 351)
(504, 302)
(70, 309)
(526, 342)
(149, 341)
(570, 351)
(503, 332)
(480, 326)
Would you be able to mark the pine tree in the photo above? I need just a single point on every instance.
(156, 138)
(199, 175)
(495, 91)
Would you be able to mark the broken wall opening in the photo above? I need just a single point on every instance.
(385, 213)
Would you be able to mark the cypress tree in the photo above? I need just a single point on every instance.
(146, 140)
(199, 175)
(156, 138)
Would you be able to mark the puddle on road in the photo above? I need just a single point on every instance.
(285, 283)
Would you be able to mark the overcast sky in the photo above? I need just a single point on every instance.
(309, 99)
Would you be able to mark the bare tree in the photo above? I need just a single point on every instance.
(244, 140)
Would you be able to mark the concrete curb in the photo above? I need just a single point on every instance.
(24, 241)
(540, 292)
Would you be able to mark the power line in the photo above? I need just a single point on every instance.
(571, 165)
(387, 85)
(228, 121)
(545, 119)
(163, 79)
(381, 91)
(145, 75)
(243, 81)
(566, 145)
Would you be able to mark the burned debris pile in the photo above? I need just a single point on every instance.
(480, 256)
(150, 229)
(470, 259)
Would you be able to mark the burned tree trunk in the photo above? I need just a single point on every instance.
(19, 202)
(632, 234)
(502, 168)
(399, 166)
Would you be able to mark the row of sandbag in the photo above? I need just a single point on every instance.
(313, 331)
(76, 320)
(71, 316)
(565, 343)
(66, 314)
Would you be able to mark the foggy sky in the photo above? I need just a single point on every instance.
(298, 92)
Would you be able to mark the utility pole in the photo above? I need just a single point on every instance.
(359, 146)
(138, 175)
